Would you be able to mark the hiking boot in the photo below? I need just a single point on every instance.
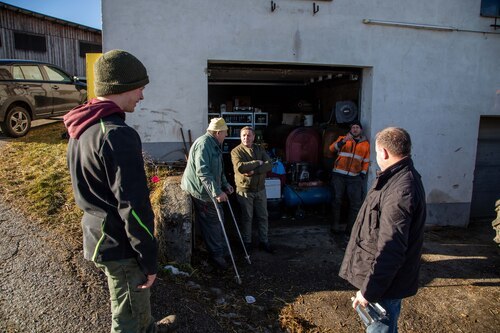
(266, 247)
(167, 324)
(219, 262)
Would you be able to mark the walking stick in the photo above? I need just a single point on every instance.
(186, 152)
(247, 257)
(221, 220)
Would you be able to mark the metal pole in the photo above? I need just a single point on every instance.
(221, 220)
(247, 257)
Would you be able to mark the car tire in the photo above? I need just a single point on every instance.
(17, 122)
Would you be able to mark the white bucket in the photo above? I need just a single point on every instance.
(308, 120)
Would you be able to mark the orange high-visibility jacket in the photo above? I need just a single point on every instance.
(353, 157)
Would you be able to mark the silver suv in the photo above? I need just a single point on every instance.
(32, 90)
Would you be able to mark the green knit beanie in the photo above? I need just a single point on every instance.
(118, 71)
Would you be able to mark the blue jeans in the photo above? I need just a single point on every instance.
(390, 324)
(210, 226)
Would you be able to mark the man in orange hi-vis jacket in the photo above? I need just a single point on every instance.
(348, 173)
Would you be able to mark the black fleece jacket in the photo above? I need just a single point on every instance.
(109, 183)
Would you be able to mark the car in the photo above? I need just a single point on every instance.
(32, 90)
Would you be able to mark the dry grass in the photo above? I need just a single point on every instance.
(35, 179)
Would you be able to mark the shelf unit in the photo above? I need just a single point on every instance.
(237, 120)
(212, 115)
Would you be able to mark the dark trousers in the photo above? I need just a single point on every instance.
(253, 206)
(353, 187)
(210, 227)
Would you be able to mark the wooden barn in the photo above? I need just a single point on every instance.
(25, 34)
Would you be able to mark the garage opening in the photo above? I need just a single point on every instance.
(486, 189)
(297, 112)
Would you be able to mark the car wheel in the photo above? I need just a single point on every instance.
(17, 122)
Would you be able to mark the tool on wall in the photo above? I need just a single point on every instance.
(315, 8)
(186, 151)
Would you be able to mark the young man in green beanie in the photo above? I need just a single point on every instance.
(109, 184)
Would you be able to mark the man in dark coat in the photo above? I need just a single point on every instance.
(382, 258)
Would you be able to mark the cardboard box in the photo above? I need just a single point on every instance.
(273, 188)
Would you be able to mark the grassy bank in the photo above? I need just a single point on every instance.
(34, 178)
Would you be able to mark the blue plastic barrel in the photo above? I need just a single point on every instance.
(294, 195)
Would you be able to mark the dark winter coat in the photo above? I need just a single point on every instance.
(109, 183)
(382, 258)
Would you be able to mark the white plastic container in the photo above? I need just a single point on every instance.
(273, 188)
(308, 120)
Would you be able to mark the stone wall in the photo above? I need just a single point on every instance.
(174, 224)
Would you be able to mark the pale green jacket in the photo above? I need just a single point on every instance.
(204, 168)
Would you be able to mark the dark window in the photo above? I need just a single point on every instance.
(29, 42)
(490, 8)
(89, 48)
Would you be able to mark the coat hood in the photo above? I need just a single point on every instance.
(83, 116)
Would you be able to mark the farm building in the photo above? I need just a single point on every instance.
(25, 34)
(429, 67)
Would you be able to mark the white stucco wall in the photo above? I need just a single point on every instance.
(436, 84)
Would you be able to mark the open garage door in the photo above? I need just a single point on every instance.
(286, 96)
(486, 188)
(297, 111)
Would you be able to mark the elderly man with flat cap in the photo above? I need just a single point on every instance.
(205, 170)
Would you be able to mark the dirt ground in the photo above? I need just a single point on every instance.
(298, 290)
(47, 287)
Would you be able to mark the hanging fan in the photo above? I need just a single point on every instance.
(345, 112)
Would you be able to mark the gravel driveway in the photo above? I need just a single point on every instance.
(47, 287)
(44, 287)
